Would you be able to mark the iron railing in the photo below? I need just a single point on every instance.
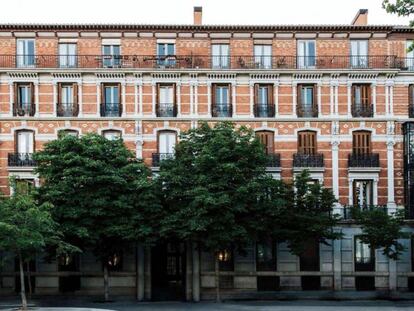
(111, 109)
(303, 111)
(273, 160)
(264, 110)
(21, 159)
(24, 109)
(350, 211)
(166, 110)
(157, 158)
(67, 110)
(362, 110)
(206, 62)
(308, 160)
(221, 110)
(363, 160)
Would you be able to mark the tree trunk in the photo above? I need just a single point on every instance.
(217, 272)
(22, 287)
(106, 282)
(29, 281)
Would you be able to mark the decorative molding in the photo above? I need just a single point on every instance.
(67, 75)
(166, 76)
(221, 76)
(23, 75)
(110, 75)
(264, 76)
(362, 76)
(307, 76)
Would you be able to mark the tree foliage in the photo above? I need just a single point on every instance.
(381, 230)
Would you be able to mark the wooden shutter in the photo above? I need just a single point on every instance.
(267, 139)
(315, 100)
(102, 105)
(230, 104)
(256, 99)
(365, 94)
(157, 99)
(270, 94)
(59, 99)
(75, 100)
(353, 92)
(213, 100)
(120, 104)
(32, 100)
(307, 142)
(361, 142)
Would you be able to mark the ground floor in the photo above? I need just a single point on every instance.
(176, 271)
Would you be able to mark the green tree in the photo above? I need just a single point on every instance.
(401, 8)
(27, 228)
(210, 188)
(102, 195)
(381, 230)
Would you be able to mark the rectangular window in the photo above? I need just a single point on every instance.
(364, 256)
(111, 100)
(362, 193)
(361, 142)
(307, 142)
(411, 101)
(359, 53)
(263, 56)
(67, 105)
(306, 105)
(306, 54)
(361, 100)
(166, 54)
(220, 56)
(221, 101)
(267, 139)
(23, 99)
(309, 259)
(263, 101)
(111, 56)
(166, 142)
(25, 53)
(25, 142)
(166, 100)
(67, 55)
(410, 55)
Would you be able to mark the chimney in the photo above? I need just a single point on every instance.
(361, 19)
(198, 15)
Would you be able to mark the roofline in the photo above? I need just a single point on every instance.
(164, 27)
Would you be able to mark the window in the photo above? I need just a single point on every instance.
(226, 260)
(23, 99)
(267, 139)
(25, 142)
(166, 54)
(411, 100)
(306, 54)
(359, 53)
(166, 103)
(70, 263)
(24, 186)
(362, 193)
(266, 256)
(25, 53)
(220, 55)
(361, 142)
(221, 100)
(67, 55)
(307, 104)
(67, 105)
(166, 146)
(307, 142)
(364, 256)
(309, 259)
(410, 55)
(361, 100)
(63, 133)
(263, 56)
(112, 134)
(263, 101)
(111, 100)
(111, 56)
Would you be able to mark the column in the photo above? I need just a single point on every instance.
(335, 174)
(387, 102)
(351, 192)
(294, 99)
(191, 99)
(123, 103)
(375, 190)
(391, 109)
(80, 99)
(276, 98)
(140, 273)
(233, 99)
(196, 98)
(140, 96)
(390, 177)
(196, 273)
(251, 90)
(337, 264)
(349, 98)
(178, 99)
(336, 107)
(331, 99)
(36, 85)
(209, 103)
(154, 90)
(135, 99)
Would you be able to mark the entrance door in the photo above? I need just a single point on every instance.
(168, 271)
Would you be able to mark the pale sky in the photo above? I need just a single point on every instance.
(181, 11)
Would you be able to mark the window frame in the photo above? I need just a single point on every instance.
(307, 142)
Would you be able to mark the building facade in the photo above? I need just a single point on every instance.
(336, 99)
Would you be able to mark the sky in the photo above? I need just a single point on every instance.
(181, 11)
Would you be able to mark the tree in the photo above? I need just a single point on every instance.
(102, 195)
(209, 189)
(381, 230)
(401, 8)
(27, 228)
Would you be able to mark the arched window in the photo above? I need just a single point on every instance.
(361, 142)
(307, 142)
(267, 139)
(112, 134)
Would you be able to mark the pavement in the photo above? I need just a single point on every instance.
(75, 304)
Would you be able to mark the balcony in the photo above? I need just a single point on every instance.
(166, 110)
(222, 110)
(23, 109)
(111, 109)
(308, 160)
(157, 158)
(362, 111)
(21, 160)
(205, 62)
(363, 160)
(273, 160)
(307, 112)
(67, 110)
(350, 211)
(264, 110)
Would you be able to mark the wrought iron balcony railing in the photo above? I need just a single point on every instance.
(166, 110)
(222, 110)
(111, 109)
(306, 112)
(350, 211)
(362, 111)
(411, 111)
(21, 159)
(264, 110)
(67, 109)
(363, 160)
(24, 109)
(206, 62)
(308, 160)
(273, 160)
(157, 158)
